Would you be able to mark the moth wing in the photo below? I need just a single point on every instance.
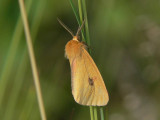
(88, 87)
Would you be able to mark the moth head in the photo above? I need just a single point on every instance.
(75, 37)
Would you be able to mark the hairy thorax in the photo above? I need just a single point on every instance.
(73, 48)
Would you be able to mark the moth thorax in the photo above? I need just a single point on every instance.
(72, 49)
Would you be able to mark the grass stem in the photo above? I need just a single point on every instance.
(80, 10)
(91, 112)
(75, 12)
(81, 4)
(83, 11)
(81, 18)
(86, 22)
(32, 59)
(95, 113)
(21, 69)
(78, 19)
(101, 113)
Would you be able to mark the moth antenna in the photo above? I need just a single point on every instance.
(65, 27)
(80, 28)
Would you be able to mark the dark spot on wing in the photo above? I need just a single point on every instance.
(91, 82)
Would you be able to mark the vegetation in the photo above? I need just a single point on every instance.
(124, 42)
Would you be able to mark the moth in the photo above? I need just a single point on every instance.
(88, 87)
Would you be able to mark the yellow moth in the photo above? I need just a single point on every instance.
(88, 87)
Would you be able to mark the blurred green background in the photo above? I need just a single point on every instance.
(125, 40)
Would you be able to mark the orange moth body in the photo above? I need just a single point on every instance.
(88, 87)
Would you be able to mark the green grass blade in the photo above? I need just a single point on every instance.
(80, 10)
(77, 18)
(75, 12)
(86, 22)
(87, 40)
(101, 113)
(11, 55)
(81, 19)
(95, 113)
(91, 112)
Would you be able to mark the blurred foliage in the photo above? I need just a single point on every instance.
(125, 39)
